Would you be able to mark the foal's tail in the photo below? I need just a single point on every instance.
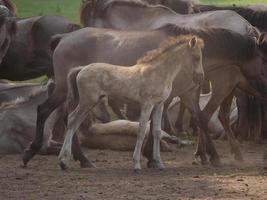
(73, 94)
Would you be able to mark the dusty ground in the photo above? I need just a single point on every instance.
(114, 179)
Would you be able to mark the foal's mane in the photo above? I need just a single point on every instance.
(255, 17)
(218, 42)
(166, 45)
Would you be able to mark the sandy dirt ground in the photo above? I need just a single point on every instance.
(113, 177)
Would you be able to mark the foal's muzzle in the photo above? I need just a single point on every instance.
(198, 78)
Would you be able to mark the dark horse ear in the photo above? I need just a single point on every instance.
(192, 42)
(261, 39)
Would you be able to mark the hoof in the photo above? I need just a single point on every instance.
(63, 166)
(203, 158)
(155, 165)
(216, 162)
(137, 171)
(87, 164)
(28, 155)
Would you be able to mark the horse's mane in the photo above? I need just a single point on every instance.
(166, 45)
(10, 5)
(219, 42)
(255, 17)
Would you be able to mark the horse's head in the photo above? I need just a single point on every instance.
(7, 30)
(195, 46)
(87, 12)
(10, 6)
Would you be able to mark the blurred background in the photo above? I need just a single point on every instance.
(70, 8)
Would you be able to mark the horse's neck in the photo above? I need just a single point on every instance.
(167, 65)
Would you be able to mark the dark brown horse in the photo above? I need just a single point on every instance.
(135, 15)
(179, 6)
(124, 48)
(29, 54)
(252, 112)
(257, 18)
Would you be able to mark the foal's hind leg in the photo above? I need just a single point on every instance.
(74, 121)
(43, 112)
(224, 117)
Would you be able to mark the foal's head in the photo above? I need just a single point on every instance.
(193, 58)
(185, 49)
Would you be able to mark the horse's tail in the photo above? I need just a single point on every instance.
(55, 41)
(73, 94)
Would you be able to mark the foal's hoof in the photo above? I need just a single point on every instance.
(87, 164)
(28, 155)
(63, 166)
(137, 171)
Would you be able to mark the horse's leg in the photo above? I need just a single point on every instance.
(218, 95)
(43, 112)
(79, 155)
(191, 102)
(76, 146)
(179, 122)
(167, 125)
(112, 103)
(156, 130)
(224, 117)
(74, 121)
(146, 110)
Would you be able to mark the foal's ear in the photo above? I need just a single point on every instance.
(192, 42)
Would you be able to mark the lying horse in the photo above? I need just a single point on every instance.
(13, 92)
(128, 46)
(149, 83)
(29, 54)
(18, 118)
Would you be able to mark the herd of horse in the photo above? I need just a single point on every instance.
(140, 55)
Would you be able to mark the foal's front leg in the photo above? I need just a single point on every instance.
(156, 120)
(144, 120)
